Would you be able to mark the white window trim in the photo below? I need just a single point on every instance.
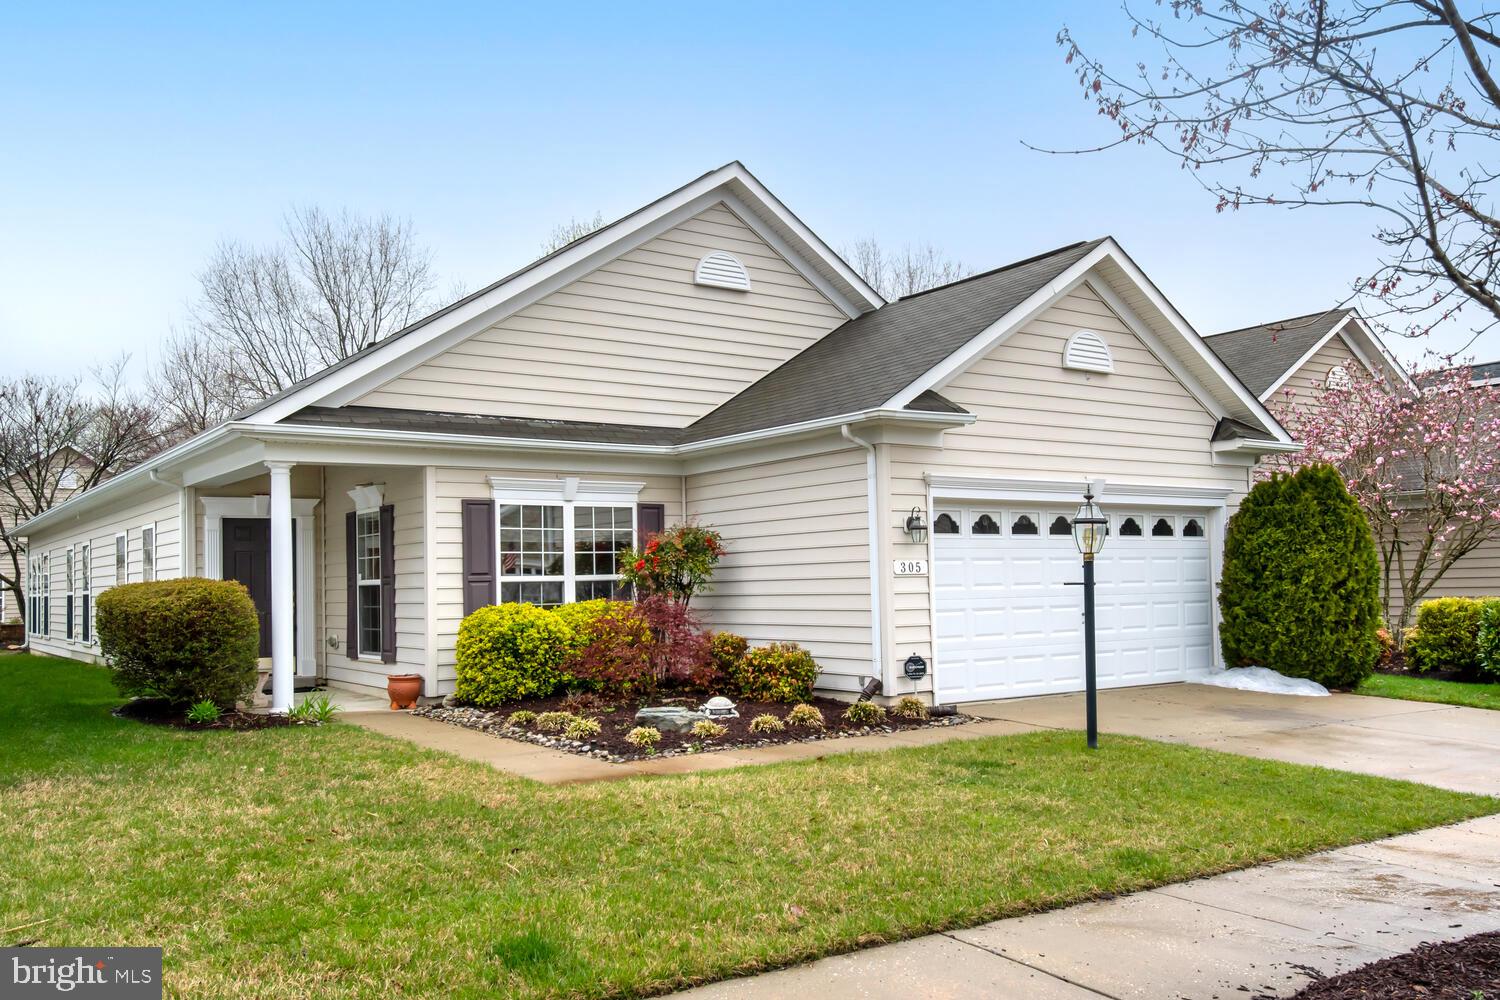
(70, 595)
(122, 557)
(566, 492)
(361, 582)
(151, 527)
(84, 602)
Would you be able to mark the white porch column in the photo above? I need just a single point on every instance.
(283, 655)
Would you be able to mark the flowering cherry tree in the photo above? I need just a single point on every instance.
(1425, 469)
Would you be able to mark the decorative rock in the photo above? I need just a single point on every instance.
(668, 719)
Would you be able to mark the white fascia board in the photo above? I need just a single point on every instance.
(1254, 446)
(1297, 367)
(798, 263)
(143, 476)
(1362, 330)
(366, 373)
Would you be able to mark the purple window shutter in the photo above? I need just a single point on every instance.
(650, 519)
(388, 584)
(351, 616)
(479, 554)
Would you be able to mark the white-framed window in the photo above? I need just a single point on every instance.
(148, 552)
(367, 583)
(40, 591)
(70, 595)
(120, 540)
(559, 541)
(85, 600)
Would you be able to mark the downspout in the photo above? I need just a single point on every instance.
(872, 505)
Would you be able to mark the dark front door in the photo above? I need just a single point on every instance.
(247, 558)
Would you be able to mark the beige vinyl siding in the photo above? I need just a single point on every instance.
(1475, 575)
(453, 485)
(635, 341)
(158, 508)
(405, 490)
(796, 531)
(1309, 381)
(1037, 420)
(307, 484)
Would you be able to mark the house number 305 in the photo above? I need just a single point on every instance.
(911, 567)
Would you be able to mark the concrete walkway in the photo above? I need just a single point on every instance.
(1259, 932)
(1443, 745)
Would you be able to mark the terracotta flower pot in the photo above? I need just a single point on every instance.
(404, 690)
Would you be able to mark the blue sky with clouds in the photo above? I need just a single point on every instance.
(135, 139)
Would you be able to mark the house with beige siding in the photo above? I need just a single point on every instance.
(893, 480)
(1294, 361)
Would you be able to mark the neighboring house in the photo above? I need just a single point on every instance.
(708, 356)
(1295, 360)
(75, 468)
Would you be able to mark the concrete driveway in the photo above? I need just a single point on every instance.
(1263, 932)
(1443, 745)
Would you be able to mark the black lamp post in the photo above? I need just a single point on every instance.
(1090, 529)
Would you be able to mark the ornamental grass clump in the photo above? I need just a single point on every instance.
(805, 716)
(864, 713)
(582, 729)
(708, 729)
(766, 724)
(643, 738)
(910, 707)
(521, 719)
(554, 722)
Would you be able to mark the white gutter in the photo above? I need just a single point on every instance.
(872, 501)
(1257, 447)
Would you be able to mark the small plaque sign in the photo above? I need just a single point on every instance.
(911, 567)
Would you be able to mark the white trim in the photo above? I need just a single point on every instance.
(1257, 446)
(566, 493)
(121, 553)
(151, 527)
(1070, 491)
(1081, 341)
(797, 262)
(722, 269)
(872, 506)
(368, 497)
(215, 509)
(1295, 368)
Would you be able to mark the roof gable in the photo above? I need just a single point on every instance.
(1267, 355)
(731, 184)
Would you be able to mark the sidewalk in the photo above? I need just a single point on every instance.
(1258, 932)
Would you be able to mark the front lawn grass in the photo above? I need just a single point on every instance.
(313, 862)
(1431, 689)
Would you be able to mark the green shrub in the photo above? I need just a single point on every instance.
(643, 738)
(1300, 591)
(782, 671)
(186, 640)
(554, 722)
(864, 713)
(910, 707)
(521, 719)
(805, 716)
(1446, 636)
(767, 724)
(511, 651)
(727, 650)
(202, 713)
(582, 729)
(1489, 639)
(708, 729)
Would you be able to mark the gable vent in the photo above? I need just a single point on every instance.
(722, 270)
(1086, 351)
(1338, 379)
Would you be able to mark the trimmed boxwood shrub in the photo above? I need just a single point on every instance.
(187, 641)
(782, 671)
(1300, 592)
(510, 651)
(1489, 639)
(1446, 636)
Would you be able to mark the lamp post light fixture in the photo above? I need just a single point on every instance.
(916, 526)
(1090, 529)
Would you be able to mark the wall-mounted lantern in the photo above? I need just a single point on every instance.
(916, 526)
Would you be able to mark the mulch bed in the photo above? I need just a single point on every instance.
(159, 712)
(1456, 970)
(617, 717)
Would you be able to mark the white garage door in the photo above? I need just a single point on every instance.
(1008, 625)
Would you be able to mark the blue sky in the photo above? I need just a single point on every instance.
(135, 139)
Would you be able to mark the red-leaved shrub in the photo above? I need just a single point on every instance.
(613, 649)
(680, 651)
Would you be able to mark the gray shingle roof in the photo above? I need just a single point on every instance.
(868, 360)
(1259, 355)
